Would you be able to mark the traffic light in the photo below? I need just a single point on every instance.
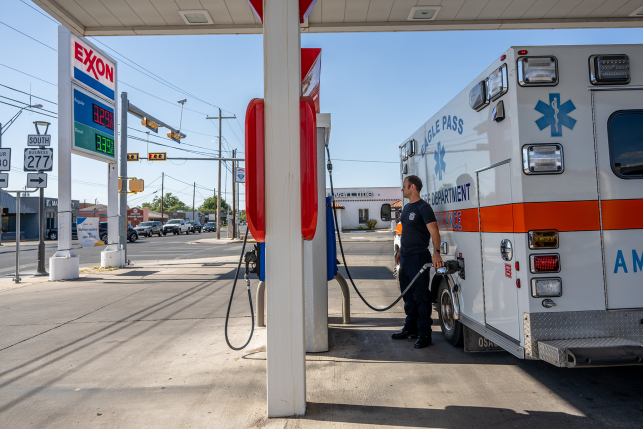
(175, 136)
(132, 156)
(157, 156)
(136, 185)
(150, 124)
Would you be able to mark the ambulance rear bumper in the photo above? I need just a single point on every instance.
(569, 339)
(591, 352)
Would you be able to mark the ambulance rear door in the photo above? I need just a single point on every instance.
(618, 140)
(497, 245)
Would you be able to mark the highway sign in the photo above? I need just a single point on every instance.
(132, 156)
(38, 140)
(5, 159)
(36, 180)
(157, 156)
(39, 159)
(4, 180)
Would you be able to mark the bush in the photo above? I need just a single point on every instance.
(371, 223)
(361, 228)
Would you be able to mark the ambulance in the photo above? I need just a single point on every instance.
(535, 173)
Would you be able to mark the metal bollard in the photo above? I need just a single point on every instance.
(260, 300)
(346, 299)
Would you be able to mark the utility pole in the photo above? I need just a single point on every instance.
(234, 199)
(193, 194)
(122, 200)
(219, 181)
(162, 183)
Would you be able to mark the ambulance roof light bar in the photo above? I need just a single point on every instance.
(537, 71)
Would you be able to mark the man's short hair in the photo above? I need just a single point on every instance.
(414, 180)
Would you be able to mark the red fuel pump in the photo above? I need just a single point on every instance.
(255, 168)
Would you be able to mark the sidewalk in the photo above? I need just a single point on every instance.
(144, 347)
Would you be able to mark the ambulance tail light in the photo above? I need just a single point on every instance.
(537, 71)
(546, 287)
(544, 263)
(543, 239)
(609, 69)
(542, 159)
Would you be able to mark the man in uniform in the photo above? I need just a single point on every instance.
(418, 226)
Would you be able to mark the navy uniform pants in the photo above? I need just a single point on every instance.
(417, 301)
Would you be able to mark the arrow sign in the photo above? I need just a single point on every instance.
(37, 180)
(4, 180)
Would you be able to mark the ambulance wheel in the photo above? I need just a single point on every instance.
(452, 329)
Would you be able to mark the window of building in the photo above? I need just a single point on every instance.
(363, 216)
(626, 143)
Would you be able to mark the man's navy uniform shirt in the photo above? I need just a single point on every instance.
(415, 234)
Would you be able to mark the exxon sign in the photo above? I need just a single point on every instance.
(92, 68)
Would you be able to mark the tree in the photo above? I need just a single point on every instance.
(210, 205)
(170, 204)
(242, 216)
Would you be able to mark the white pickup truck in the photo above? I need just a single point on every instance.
(176, 226)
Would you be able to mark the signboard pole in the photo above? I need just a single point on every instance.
(17, 279)
(122, 200)
(64, 265)
(234, 198)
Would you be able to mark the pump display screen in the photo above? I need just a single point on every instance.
(93, 126)
(104, 145)
(103, 116)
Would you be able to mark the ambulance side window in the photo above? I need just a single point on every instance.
(626, 143)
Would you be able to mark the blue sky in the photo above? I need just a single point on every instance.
(378, 87)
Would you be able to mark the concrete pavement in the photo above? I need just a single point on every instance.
(144, 347)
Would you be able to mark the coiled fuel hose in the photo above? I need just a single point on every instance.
(341, 248)
(234, 285)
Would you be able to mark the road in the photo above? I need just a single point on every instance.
(144, 249)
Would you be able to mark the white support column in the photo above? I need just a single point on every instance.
(315, 269)
(65, 264)
(286, 356)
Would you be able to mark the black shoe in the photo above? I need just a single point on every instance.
(404, 334)
(423, 341)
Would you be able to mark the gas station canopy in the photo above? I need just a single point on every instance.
(167, 17)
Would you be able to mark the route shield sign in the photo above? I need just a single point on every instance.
(38, 140)
(4, 180)
(39, 159)
(36, 180)
(5, 159)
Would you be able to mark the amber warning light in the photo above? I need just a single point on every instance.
(157, 156)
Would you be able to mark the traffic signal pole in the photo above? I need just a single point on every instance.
(122, 200)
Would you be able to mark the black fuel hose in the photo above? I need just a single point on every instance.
(341, 248)
(234, 285)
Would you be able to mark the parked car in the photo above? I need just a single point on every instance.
(195, 226)
(52, 233)
(149, 228)
(176, 226)
(210, 226)
(132, 235)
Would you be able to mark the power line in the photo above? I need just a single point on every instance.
(28, 110)
(28, 75)
(30, 95)
(18, 101)
(43, 14)
(26, 35)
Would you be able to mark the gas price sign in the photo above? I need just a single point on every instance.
(93, 121)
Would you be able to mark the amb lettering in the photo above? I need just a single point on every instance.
(621, 265)
(449, 221)
(448, 123)
(451, 195)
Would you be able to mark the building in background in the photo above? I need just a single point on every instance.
(364, 204)
(29, 207)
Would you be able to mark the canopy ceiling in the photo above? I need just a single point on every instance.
(151, 17)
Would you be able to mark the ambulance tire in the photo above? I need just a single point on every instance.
(452, 329)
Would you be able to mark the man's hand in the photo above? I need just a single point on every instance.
(437, 261)
(397, 258)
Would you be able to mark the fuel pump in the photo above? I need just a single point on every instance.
(255, 190)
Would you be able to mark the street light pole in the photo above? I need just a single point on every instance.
(219, 181)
